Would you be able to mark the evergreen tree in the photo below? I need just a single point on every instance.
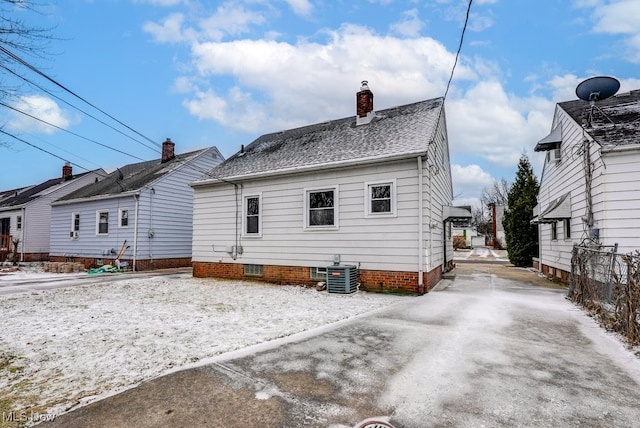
(520, 234)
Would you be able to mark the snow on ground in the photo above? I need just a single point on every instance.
(69, 346)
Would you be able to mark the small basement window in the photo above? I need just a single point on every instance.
(253, 270)
(319, 273)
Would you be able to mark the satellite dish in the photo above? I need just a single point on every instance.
(597, 88)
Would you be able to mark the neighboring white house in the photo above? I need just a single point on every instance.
(590, 185)
(145, 209)
(371, 190)
(25, 213)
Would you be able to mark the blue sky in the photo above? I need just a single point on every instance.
(223, 73)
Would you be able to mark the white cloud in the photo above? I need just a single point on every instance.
(300, 7)
(170, 30)
(478, 22)
(469, 180)
(618, 17)
(410, 26)
(495, 125)
(308, 82)
(229, 19)
(42, 108)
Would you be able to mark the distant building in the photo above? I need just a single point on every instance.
(25, 213)
(144, 209)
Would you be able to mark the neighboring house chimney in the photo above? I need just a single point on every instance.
(168, 150)
(364, 105)
(67, 172)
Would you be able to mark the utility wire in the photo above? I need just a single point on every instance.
(37, 71)
(75, 107)
(41, 149)
(464, 28)
(67, 131)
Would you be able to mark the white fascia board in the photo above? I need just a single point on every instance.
(96, 198)
(308, 168)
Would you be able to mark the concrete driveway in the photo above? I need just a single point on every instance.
(481, 351)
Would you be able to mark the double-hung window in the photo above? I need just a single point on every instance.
(567, 228)
(102, 222)
(321, 208)
(75, 222)
(19, 222)
(252, 208)
(123, 216)
(380, 199)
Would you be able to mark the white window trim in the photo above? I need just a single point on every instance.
(244, 216)
(336, 208)
(18, 222)
(98, 212)
(367, 199)
(73, 222)
(318, 276)
(120, 210)
(566, 222)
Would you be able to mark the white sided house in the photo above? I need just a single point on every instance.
(25, 214)
(590, 185)
(371, 191)
(141, 212)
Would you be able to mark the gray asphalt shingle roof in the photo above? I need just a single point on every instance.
(132, 177)
(402, 130)
(17, 197)
(622, 109)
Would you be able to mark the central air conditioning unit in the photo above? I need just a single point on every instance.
(342, 279)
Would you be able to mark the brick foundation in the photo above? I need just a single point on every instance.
(555, 274)
(370, 280)
(92, 262)
(35, 257)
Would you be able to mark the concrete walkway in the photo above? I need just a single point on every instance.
(481, 352)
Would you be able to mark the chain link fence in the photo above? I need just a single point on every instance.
(607, 283)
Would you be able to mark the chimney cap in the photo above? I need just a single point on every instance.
(365, 85)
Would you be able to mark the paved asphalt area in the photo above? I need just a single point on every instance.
(479, 351)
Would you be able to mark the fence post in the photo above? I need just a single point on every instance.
(609, 290)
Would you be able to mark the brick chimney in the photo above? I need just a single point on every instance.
(67, 172)
(364, 105)
(168, 150)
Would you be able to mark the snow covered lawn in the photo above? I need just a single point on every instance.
(64, 347)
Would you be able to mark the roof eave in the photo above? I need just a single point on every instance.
(96, 198)
(309, 168)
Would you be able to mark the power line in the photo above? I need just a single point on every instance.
(75, 107)
(67, 131)
(464, 28)
(32, 83)
(37, 71)
(41, 149)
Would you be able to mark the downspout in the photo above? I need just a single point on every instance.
(420, 229)
(430, 217)
(135, 232)
(23, 233)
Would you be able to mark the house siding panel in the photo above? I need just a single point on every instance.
(165, 221)
(559, 179)
(284, 240)
(36, 221)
